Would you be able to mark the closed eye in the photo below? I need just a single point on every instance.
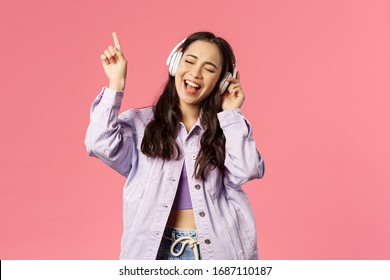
(190, 62)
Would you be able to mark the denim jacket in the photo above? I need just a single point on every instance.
(224, 220)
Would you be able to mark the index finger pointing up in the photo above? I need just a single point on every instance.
(116, 41)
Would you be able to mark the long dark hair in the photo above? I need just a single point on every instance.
(161, 132)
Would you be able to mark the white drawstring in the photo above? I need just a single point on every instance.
(185, 240)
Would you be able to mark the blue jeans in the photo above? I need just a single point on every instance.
(171, 235)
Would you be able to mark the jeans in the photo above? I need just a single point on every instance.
(188, 238)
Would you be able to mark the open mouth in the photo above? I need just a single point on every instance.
(191, 87)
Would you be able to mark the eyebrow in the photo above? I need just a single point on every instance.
(207, 62)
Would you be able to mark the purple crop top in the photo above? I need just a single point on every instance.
(182, 198)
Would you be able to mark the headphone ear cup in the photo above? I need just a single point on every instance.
(174, 63)
(174, 58)
(223, 85)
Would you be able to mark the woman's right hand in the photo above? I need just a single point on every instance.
(115, 65)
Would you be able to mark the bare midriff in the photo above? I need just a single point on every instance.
(182, 219)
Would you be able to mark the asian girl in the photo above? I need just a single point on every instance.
(185, 158)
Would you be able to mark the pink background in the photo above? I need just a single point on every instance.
(316, 76)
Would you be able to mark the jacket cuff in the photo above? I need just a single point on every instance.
(112, 97)
(229, 117)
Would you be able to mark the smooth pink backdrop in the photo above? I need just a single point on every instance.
(316, 76)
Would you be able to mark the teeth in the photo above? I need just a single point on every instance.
(192, 84)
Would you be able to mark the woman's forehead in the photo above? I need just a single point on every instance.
(204, 50)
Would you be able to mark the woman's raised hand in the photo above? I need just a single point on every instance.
(115, 65)
(234, 97)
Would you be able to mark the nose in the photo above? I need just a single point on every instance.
(196, 71)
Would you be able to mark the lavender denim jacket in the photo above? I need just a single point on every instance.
(224, 220)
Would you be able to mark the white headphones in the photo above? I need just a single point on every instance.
(175, 57)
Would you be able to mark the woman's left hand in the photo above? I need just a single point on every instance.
(234, 97)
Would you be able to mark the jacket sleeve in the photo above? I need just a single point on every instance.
(242, 161)
(108, 137)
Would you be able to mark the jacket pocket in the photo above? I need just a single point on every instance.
(213, 183)
(247, 233)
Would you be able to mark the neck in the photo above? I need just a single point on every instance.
(189, 115)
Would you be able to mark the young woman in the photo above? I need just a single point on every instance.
(185, 158)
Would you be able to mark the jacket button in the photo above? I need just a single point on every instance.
(207, 241)
(197, 186)
(202, 214)
(193, 157)
(195, 131)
